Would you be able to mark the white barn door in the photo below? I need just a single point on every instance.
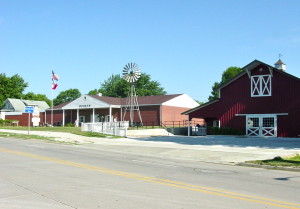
(261, 125)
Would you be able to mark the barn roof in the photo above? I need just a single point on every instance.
(199, 107)
(246, 69)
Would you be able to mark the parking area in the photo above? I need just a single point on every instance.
(215, 149)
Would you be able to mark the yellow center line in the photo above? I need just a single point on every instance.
(182, 185)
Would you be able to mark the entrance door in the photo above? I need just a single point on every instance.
(261, 125)
(81, 119)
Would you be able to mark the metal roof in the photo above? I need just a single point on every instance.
(18, 105)
(142, 100)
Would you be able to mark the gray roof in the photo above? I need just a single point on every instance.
(18, 105)
(279, 62)
(142, 100)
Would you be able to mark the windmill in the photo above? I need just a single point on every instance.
(131, 73)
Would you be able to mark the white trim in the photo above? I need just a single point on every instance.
(110, 116)
(93, 119)
(63, 122)
(189, 126)
(269, 114)
(257, 128)
(248, 72)
(261, 85)
(271, 71)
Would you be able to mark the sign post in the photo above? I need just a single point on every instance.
(28, 110)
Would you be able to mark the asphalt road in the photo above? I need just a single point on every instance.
(37, 175)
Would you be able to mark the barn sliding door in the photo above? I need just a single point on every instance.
(261, 125)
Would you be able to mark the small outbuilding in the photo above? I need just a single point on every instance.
(261, 101)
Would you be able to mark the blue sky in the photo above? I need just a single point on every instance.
(184, 45)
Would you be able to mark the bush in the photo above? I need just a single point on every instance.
(224, 131)
(5, 122)
(69, 125)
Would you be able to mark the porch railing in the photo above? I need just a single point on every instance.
(110, 128)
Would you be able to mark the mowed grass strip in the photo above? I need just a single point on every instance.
(293, 161)
(72, 130)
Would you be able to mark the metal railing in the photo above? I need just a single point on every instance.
(160, 124)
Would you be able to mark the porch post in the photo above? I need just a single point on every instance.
(121, 116)
(93, 115)
(189, 131)
(110, 119)
(63, 122)
(77, 119)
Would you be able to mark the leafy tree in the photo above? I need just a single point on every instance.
(93, 92)
(214, 92)
(37, 97)
(11, 87)
(66, 96)
(228, 74)
(116, 86)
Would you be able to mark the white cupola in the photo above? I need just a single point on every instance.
(280, 65)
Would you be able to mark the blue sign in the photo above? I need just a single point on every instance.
(29, 109)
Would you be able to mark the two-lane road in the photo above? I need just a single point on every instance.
(46, 175)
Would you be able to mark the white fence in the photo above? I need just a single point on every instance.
(110, 128)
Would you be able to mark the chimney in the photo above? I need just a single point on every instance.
(280, 65)
(99, 94)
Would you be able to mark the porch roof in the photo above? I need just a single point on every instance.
(95, 101)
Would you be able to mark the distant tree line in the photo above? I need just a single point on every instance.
(114, 86)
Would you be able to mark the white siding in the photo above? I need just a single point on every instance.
(182, 101)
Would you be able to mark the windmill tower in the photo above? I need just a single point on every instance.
(131, 73)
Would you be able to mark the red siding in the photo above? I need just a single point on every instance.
(23, 119)
(170, 113)
(236, 99)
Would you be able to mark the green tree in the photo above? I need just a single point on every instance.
(230, 73)
(227, 75)
(66, 96)
(37, 97)
(93, 92)
(116, 86)
(11, 87)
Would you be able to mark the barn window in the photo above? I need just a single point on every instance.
(261, 86)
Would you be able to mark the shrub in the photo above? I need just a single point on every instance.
(5, 122)
(69, 125)
(224, 131)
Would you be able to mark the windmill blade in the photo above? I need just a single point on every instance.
(131, 72)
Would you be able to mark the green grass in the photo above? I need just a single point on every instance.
(36, 137)
(279, 161)
(72, 130)
(24, 136)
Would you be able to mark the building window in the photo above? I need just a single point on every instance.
(216, 123)
(261, 86)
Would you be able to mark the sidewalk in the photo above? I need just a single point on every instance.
(215, 149)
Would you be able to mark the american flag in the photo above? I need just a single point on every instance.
(54, 78)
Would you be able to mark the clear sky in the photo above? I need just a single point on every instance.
(183, 44)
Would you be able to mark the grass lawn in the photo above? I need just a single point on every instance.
(278, 161)
(72, 130)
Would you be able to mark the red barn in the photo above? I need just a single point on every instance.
(261, 101)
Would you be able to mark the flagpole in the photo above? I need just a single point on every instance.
(52, 110)
(52, 99)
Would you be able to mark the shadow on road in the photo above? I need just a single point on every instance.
(231, 141)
